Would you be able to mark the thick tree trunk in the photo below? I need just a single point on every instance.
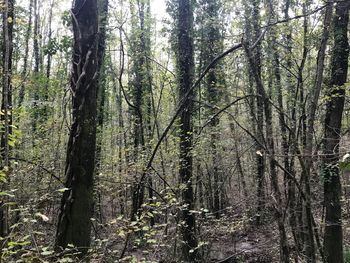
(185, 68)
(74, 225)
(6, 108)
(333, 236)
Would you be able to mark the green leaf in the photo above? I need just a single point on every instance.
(344, 166)
(6, 194)
(47, 253)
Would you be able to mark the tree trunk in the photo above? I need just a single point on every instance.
(212, 46)
(333, 236)
(309, 246)
(49, 54)
(6, 109)
(270, 148)
(141, 84)
(253, 31)
(185, 73)
(36, 50)
(101, 96)
(74, 225)
(26, 54)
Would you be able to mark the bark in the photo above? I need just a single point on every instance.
(212, 46)
(101, 84)
(333, 236)
(36, 47)
(253, 32)
(141, 85)
(185, 73)
(6, 108)
(296, 216)
(149, 100)
(270, 147)
(74, 225)
(37, 64)
(26, 55)
(309, 246)
(49, 56)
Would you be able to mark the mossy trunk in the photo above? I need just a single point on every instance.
(185, 71)
(333, 236)
(74, 223)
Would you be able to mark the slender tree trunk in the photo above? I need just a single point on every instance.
(37, 64)
(102, 86)
(26, 55)
(74, 224)
(309, 246)
(333, 236)
(253, 31)
(49, 55)
(270, 147)
(140, 47)
(296, 213)
(211, 46)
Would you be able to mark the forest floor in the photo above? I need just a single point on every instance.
(231, 238)
(253, 246)
(238, 239)
(234, 237)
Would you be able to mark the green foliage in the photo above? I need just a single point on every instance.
(344, 165)
(347, 255)
(66, 19)
(51, 47)
(40, 132)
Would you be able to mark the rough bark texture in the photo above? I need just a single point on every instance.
(185, 68)
(101, 96)
(309, 246)
(6, 107)
(141, 85)
(333, 236)
(253, 32)
(74, 224)
(211, 47)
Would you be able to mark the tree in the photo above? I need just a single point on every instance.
(309, 246)
(333, 236)
(6, 106)
(211, 46)
(185, 71)
(74, 225)
(141, 91)
(102, 85)
(252, 30)
(26, 54)
(270, 149)
(37, 96)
